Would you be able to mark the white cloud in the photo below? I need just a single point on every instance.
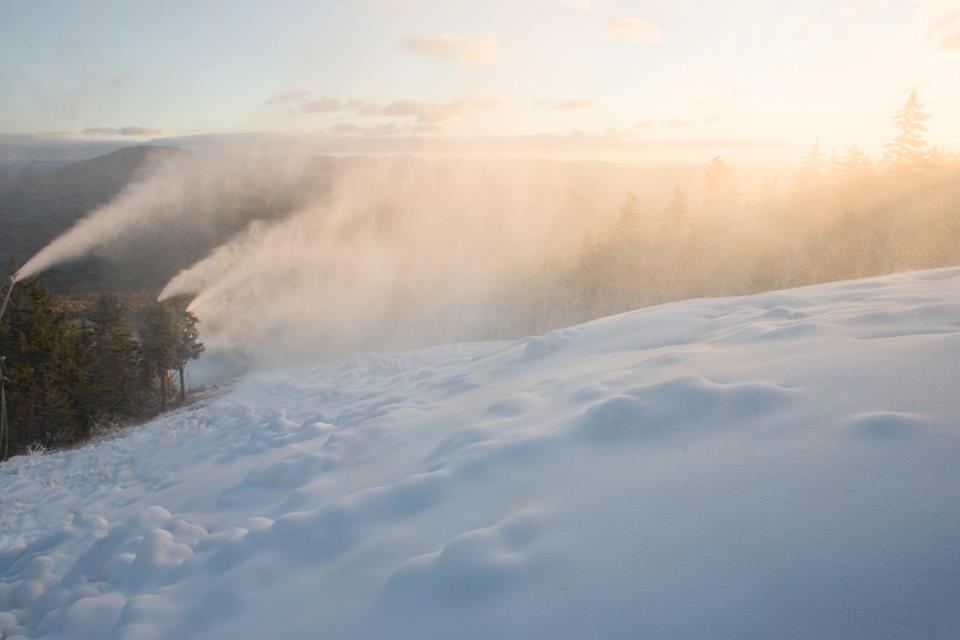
(479, 50)
(632, 30)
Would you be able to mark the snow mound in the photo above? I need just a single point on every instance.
(775, 466)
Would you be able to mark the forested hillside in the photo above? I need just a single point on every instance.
(68, 378)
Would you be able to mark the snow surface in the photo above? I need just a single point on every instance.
(780, 466)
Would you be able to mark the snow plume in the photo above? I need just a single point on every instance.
(177, 187)
(399, 252)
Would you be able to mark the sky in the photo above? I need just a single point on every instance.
(576, 73)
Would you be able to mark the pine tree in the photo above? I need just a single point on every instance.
(189, 346)
(811, 174)
(629, 220)
(40, 348)
(854, 161)
(908, 149)
(114, 359)
(159, 339)
(720, 186)
(938, 157)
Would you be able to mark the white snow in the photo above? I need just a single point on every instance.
(779, 466)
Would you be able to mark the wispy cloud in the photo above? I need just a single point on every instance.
(364, 108)
(121, 131)
(350, 129)
(410, 116)
(479, 50)
(632, 30)
(574, 105)
(324, 105)
(676, 123)
(297, 101)
(293, 95)
(425, 113)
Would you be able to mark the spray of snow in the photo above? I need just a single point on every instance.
(200, 186)
(353, 253)
(399, 253)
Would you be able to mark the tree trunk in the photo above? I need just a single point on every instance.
(183, 390)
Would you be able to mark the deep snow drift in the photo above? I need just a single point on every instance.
(780, 466)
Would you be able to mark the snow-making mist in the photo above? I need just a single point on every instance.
(363, 253)
(299, 258)
(398, 253)
(206, 187)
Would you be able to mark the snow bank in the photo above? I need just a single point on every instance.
(774, 466)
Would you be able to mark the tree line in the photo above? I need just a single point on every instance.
(844, 216)
(69, 378)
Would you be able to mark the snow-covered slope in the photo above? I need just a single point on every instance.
(776, 466)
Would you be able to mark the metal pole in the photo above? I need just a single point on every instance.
(13, 281)
(4, 426)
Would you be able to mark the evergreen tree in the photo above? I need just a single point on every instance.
(629, 219)
(720, 186)
(855, 160)
(908, 149)
(938, 157)
(189, 346)
(114, 359)
(811, 174)
(40, 348)
(159, 339)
